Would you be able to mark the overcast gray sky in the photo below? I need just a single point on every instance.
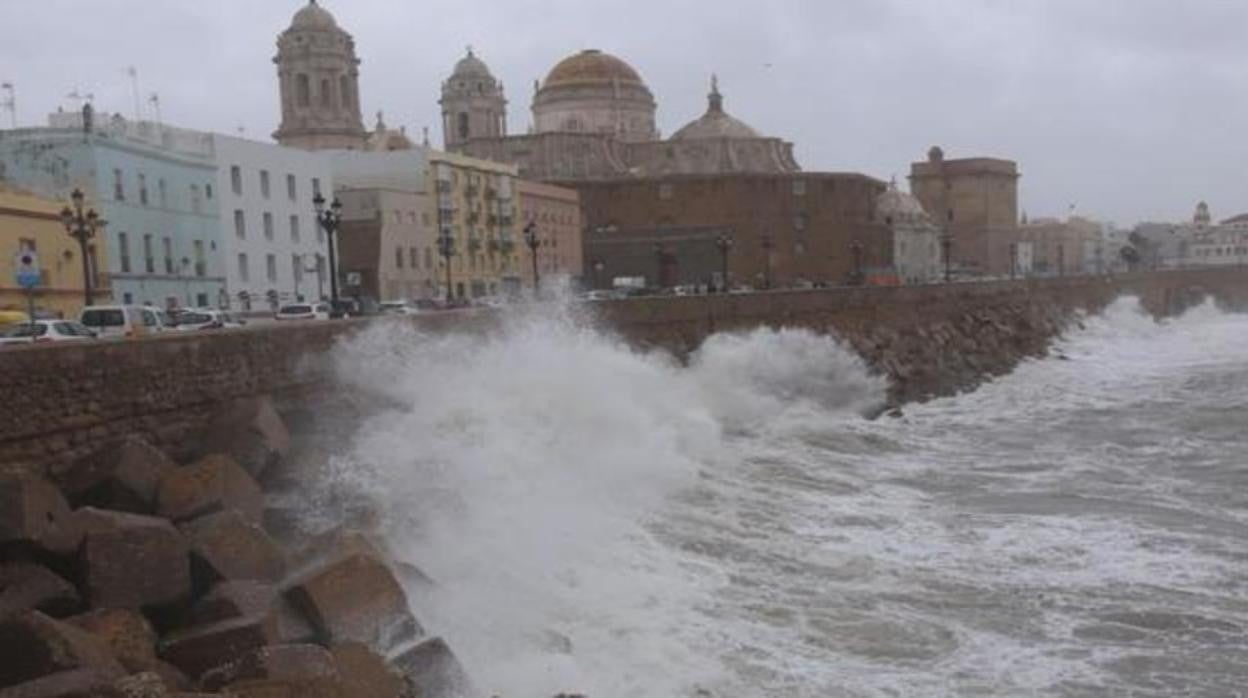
(1128, 109)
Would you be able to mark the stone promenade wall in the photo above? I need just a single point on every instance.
(60, 402)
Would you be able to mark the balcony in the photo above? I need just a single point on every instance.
(491, 193)
(472, 190)
(444, 186)
(474, 244)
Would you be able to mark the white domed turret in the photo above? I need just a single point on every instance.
(473, 103)
(319, 76)
(895, 206)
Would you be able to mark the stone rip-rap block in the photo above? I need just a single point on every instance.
(356, 599)
(123, 476)
(212, 484)
(226, 547)
(34, 646)
(133, 561)
(432, 668)
(252, 432)
(35, 515)
(26, 586)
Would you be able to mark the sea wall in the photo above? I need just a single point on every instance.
(60, 402)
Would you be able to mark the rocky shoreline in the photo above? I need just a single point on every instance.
(128, 574)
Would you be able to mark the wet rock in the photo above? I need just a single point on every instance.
(333, 546)
(365, 673)
(34, 515)
(433, 670)
(237, 599)
(125, 633)
(132, 561)
(225, 547)
(356, 599)
(307, 666)
(77, 683)
(121, 477)
(199, 649)
(142, 685)
(25, 586)
(34, 647)
(215, 483)
(251, 432)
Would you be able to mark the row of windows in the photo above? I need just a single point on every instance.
(166, 263)
(162, 191)
(666, 191)
(299, 265)
(267, 224)
(265, 184)
(1221, 251)
(345, 99)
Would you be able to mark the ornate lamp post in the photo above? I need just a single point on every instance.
(446, 248)
(82, 226)
(856, 248)
(530, 239)
(768, 246)
(724, 243)
(329, 220)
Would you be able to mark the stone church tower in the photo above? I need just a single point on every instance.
(473, 105)
(319, 76)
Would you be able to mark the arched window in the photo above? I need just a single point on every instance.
(463, 124)
(326, 96)
(303, 90)
(344, 91)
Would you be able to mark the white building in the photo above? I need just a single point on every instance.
(917, 253)
(273, 247)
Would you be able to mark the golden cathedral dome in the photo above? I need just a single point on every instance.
(592, 67)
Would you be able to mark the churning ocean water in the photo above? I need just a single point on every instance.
(610, 522)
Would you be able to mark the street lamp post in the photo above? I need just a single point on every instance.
(530, 239)
(768, 246)
(329, 220)
(658, 266)
(598, 265)
(82, 226)
(856, 248)
(446, 248)
(186, 280)
(946, 243)
(724, 243)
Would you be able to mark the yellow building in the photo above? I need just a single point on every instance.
(475, 206)
(34, 223)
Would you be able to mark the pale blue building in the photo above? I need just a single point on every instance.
(155, 187)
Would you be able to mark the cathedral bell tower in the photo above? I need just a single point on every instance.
(319, 76)
(473, 105)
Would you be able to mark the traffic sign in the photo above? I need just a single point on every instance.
(26, 264)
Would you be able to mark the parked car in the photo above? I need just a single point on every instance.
(207, 319)
(120, 320)
(398, 308)
(303, 311)
(45, 331)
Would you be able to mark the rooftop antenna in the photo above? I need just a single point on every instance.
(134, 85)
(80, 99)
(9, 103)
(154, 100)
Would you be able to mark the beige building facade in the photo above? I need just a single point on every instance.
(388, 244)
(975, 202)
(474, 207)
(555, 213)
(29, 222)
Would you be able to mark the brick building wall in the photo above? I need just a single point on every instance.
(810, 221)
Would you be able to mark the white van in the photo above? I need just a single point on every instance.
(120, 320)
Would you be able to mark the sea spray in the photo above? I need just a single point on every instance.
(522, 468)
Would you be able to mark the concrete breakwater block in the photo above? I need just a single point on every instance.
(199, 649)
(365, 673)
(308, 667)
(34, 515)
(125, 633)
(25, 586)
(133, 561)
(356, 599)
(226, 547)
(35, 647)
(124, 476)
(212, 484)
(238, 599)
(433, 670)
(251, 432)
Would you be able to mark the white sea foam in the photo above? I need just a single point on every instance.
(607, 521)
